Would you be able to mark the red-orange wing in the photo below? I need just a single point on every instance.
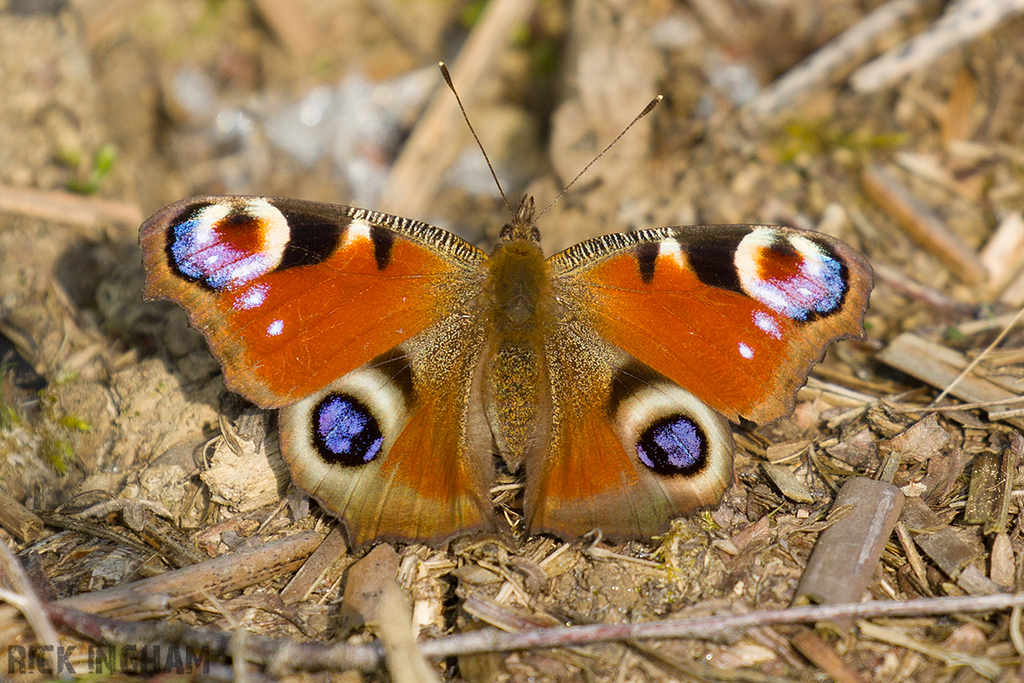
(292, 294)
(736, 315)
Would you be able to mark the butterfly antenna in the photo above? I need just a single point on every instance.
(451, 86)
(647, 110)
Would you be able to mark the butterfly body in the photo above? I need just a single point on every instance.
(520, 305)
(403, 357)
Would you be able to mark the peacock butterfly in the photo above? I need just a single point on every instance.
(402, 357)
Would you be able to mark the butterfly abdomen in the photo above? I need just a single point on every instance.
(520, 304)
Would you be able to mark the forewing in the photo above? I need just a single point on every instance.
(291, 295)
(736, 315)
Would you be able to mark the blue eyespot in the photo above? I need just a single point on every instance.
(225, 245)
(794, 275)
(345, 432)
(201, 252)
(673, 445)
(808, 292)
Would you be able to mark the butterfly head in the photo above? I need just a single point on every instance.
(521, 227)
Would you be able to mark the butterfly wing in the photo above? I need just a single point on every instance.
(736, 315)
(400, 448)
(292, 295)
(627, 449)
(661, 333)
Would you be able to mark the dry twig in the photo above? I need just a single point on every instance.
(184, 586)
(66, 207)
(24, 598)
(963, 21)
(923, 225)
(429, 151)
(852, 45)
(342, 656)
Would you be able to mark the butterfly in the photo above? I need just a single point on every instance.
(403, 358)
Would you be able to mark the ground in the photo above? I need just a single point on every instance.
(110, 110)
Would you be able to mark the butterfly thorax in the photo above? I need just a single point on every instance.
(521, 307)
(518, 290)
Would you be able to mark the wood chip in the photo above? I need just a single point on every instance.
(16, 518)
(1003, 565)
(981, 499)
(186, 586)
(313, 569)
(1013, 295)
(924, 440)
(1003, 254)
(974, 582)
(787, 482)
(367, 580)
(824, 656)
(992, 475)
(936, 538)
(393, 624)
(846, 554)
(786, 451)
(939, 366)
(957, 121)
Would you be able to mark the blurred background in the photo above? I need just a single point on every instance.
(151, 101)
(148, 102)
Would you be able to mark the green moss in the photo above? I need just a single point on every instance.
(102, 164)
(210, 20)
(818, 138)
(705, 521)
(545, 56)
(953, 334)
(76, 423)
(8, 416)
(58, 452)
(63, 378)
